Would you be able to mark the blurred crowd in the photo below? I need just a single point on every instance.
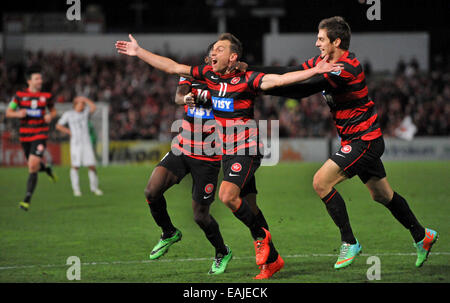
(142, 104)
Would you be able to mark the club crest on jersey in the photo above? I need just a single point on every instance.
(236, 167)
(209, 188)
(200, 112)
(223, 104)
(235, 80)
(346, 149)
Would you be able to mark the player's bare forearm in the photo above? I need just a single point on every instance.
(164, 64)
(270, 81)
(63, 129)
(91, 104)
(182, 91)
(11, 113)
(167, 65)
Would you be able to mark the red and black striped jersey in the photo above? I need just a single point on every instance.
(353, 111)
(233, 106)
(198, 125)
(33, 126)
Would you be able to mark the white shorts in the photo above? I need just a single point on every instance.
(82, 155)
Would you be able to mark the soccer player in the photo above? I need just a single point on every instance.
(187, 156)
(233, 95)
(30, 107)
(362, 143)
(81, 149)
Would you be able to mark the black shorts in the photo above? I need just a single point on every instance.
(240, 170)
(36, 148)
(362, 158)
(204, 175)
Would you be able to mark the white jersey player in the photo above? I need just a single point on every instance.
(81, 150)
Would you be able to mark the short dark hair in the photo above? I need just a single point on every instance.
(337, 27)
(32, 70)
(236, 45)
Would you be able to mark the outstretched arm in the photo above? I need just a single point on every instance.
(271, 81)
(167, 65)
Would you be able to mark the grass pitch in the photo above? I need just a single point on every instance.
(113, 234)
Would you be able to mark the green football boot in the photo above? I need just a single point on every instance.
(24, 205)
(424, 247)
(220, 262)
(163, 245)
(347, 255)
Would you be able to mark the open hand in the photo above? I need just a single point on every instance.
(326, 67)
(129, 48)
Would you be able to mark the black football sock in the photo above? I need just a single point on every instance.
(158, 209)
(401, 211)
(214, 236)
(336, 208)
(261, 220)
(45, 168)
(31, 185)
(245, 214)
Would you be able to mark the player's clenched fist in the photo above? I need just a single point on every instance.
(129, 48)
(189, 99)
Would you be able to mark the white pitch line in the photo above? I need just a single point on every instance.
(206, 259)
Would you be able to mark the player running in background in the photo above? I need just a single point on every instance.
(81, 149)
(30, 107)
(233, 95)
(362, 143)
(186, 157)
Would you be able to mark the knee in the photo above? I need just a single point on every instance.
(33, 167)
(153, 192)
(230, 199)
(319, 186)
(381, 197)
(201, 218)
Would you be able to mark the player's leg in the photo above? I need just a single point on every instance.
(75, 180)
(33, 153)
(93, 180)
(168, 172)
(424, 238)
(210, 227)
(33, 168)
(76, 163)
(204, 182)
(328, 176)
(40, 150)
(238, 170)
(350, 160)
(88, 159)
(274, 261)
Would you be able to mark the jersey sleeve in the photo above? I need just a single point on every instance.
(198, 72)
(184, 81)
(302, 89)
(64, 119)
(14, 103)
(254, 80)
